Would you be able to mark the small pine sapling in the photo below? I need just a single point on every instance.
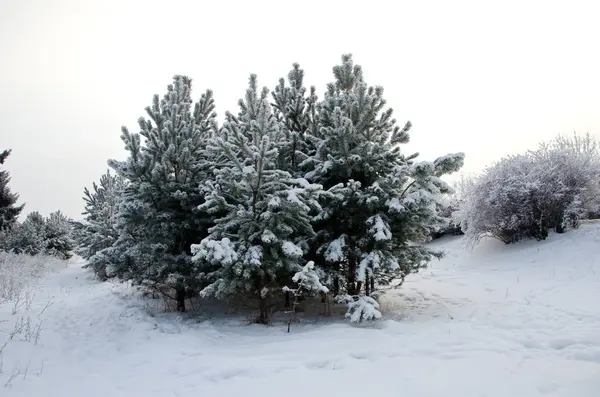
(308, 284)
(360, 308)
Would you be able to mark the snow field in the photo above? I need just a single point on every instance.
(519, 320)
(21, 308)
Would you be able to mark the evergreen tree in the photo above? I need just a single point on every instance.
(29, 236)
(296, 112)
(384, 203)
(9, 212)
(39, 235)
(57, 236)
(259, 242)
(98, 229)
(158, 218)
(308, 281)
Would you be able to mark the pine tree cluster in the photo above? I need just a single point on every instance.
(292, 191)
(39, 235)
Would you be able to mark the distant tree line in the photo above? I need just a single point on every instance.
(36, 235)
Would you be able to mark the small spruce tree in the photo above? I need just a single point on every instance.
(29, 236)
(98, 229)
(58, 236)
(9, 212)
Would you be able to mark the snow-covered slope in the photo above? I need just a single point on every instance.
(519, 320)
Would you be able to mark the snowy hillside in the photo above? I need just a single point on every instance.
(520, 320)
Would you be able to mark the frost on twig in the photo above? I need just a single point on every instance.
(25, 331)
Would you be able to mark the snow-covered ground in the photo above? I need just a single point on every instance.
(519, 320)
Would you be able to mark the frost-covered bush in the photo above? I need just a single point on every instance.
(574, 163)
(18, 271)
(527, 195)
(499, 201)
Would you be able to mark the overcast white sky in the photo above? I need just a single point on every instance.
(487, 78)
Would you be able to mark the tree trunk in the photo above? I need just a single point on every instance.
(372, 283)
(367, 284)
(180, 297)
(263, 315)
(351, 283)
(359, 285)
(101, 273)
(336, 286)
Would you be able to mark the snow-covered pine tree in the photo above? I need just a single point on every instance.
(308, 283)
(39, 235)
(385, 204)
(98, 229)
(9, 212)
(296, 111)
(57, 236)
(259, 243)
(159, 218)
(29, 237)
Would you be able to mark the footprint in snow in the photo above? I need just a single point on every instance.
(548, 388)
(318, 364)
(228, 374)
(362, 356)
